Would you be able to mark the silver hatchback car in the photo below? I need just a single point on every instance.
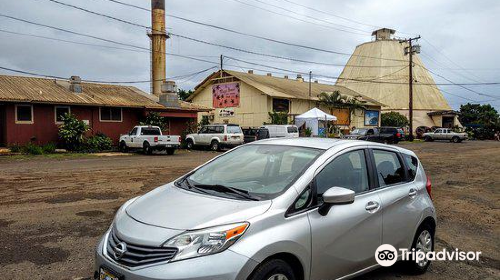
(277, 209)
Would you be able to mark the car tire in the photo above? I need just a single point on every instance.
(424, 235)
(214, 146)
(428, 139)
(455, 139)
(123, 147)
(189, 144)
(146, 149)
(273, 269)
(170, 152)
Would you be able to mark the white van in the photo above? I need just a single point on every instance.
(282, 131)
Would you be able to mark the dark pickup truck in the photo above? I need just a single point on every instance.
(387, 135)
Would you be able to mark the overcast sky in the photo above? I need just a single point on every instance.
(460, 37)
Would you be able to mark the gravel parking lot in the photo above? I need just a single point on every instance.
(52, 211)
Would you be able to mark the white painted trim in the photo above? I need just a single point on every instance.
(55, 112)
(24, 122)
(111, 121)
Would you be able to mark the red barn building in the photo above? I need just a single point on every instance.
(31, 109)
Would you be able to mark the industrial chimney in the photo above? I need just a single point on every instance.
(158, 40)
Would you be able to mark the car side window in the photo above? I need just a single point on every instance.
(347, 171)
(203, 130)
(133, 132)
(412, 166)
(219, 129)
(303, 201)
(390, 171)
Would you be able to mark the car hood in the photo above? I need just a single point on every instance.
(174, 208)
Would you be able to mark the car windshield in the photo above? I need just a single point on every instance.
(233, 129)
(359, 131)
(262, 171)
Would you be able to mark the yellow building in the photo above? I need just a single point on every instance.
(380, 69)
(247, 99)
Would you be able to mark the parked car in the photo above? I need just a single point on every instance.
(445, 134)
(402, 134)
(149, 139)
(421, 130)
(254, 134)
(216, 136)
(279, 131)
(385, 134)
(359, 134)
(275, 209)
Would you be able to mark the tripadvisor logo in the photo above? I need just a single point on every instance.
(386, 255)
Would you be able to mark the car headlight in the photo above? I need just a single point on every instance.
(197, 243)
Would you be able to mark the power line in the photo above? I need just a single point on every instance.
(313, 18)
(99, 81)
(330, 14)
(296, 18)
(239, 33)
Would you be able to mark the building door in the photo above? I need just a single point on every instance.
(2, 125)
(448, 122)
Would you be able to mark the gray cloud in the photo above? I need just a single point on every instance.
(461, 30)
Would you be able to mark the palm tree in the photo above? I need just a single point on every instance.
(335, 100)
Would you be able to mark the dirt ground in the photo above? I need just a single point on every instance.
(53, 210)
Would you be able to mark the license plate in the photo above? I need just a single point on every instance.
(105, 274)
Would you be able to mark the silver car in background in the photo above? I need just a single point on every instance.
(286, 209)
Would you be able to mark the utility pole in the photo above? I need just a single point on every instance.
(221, 64)
(409, 51)
(310, 81)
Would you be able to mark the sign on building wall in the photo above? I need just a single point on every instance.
(226, 95)
(227, 112)
(371, 118)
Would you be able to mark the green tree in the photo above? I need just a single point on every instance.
(484, 115)
(184, 94)
(71, 132)
(154, 118)
(278, 117)
(335, 100)
(394, 119)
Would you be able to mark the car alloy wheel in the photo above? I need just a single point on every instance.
(278, 277)
(214, 146)
(424, 244)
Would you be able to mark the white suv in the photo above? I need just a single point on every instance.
(216, 136)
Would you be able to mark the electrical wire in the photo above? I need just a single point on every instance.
(104, 82)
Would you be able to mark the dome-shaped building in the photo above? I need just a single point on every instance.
(380, 70)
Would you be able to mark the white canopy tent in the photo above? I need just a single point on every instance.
(312, 119)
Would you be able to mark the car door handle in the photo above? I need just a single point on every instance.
(372, 206)
(412, 193)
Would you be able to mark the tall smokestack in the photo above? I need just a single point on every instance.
(158, 40)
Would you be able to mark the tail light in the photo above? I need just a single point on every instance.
(398, 134)
(428, 186)
(156, 139)
(225, 137)
(180, 140)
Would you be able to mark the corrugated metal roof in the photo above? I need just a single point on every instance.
(41, 90)
(287, 88)
(390, 77)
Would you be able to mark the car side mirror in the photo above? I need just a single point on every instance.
(336, 196)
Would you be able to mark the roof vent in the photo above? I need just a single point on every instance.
(168, 96)
(299, 78)
(250, 71)
(269, 74)
(75, 84)
(383, 33)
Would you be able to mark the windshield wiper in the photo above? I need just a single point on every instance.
(226, 189)
(191, 186)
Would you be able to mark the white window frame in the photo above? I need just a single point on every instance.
(55, 112)
(111, 121)
(32, 114)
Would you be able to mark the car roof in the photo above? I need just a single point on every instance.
(327, 143)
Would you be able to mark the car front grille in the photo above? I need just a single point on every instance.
(133, 255)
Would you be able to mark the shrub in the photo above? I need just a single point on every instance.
(394, 119)
(49, 148)
(15, 148)
(278, 117)
(32, 149)
(71, 132)
(308, 132)
(154, 118)
(98, 143)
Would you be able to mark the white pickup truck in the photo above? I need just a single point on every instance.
(148, 139)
